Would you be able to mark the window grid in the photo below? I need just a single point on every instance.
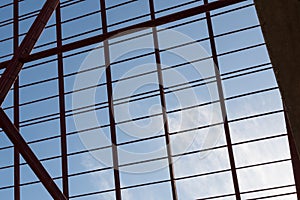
(63, 115)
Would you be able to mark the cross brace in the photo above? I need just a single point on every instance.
(14, 66)
(8, 78)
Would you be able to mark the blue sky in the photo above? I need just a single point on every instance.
(191, 188)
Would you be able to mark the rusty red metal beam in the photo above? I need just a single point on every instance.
(163, 103)
(34, 163)
(8, 78)
(62, 105)
(17, 190)
(223, 105)
(14, 66)
(113, 132)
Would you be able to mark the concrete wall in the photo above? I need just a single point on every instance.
(280, 20)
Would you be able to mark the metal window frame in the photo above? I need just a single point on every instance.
(22, 55)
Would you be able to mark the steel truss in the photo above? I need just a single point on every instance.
(22, 55)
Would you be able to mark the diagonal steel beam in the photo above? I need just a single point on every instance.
(8, 78)
(14, 66)
(36, 166)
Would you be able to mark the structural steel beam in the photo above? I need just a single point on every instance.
(163, 103)
(14, 66)
(22, 54)
(109, 89)
(223, 105)
(36, 166)
(62, 106)
(16, 100)
(280, 21)
(8, 78)
(144, 25)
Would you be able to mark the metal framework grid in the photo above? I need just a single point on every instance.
(62, 47)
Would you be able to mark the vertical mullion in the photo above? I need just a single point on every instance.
(222, 104)
(110, 103)
(294, 155)
(62, 109)
(163, 102)
(16, 103)
(14, 66)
